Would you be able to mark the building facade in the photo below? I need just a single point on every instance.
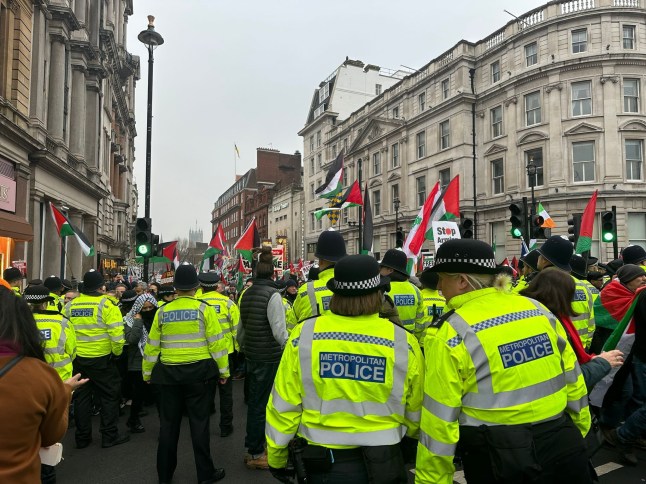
(287, 221)
(251, 195)
(348, 88)
(67, 131)
(559, 88)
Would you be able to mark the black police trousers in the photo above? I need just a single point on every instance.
(226, 400)
(105, 384)
(554, 453)
(196, 398)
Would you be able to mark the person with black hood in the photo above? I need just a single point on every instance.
(137, 326)
(406, 296)
(262, 335)
(291, 290)
(98, 326)
(313, 298)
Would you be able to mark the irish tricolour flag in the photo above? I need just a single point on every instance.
(64, 228)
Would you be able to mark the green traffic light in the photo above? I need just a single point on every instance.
(143, 249)
(516, 233)
(608, 237)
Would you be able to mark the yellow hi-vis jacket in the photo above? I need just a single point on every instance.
(56, 304)
(499, 359)
(313, 298)
(228, 315)
(434, 304)
(186, 330)
(345, 382)
(583, 305)
(410, 306)
(98, 326)
(59, 341)
(290, 317)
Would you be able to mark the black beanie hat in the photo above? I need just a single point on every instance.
(629, 272)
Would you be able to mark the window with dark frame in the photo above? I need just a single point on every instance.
(583, 161)
(376, 202)
(631, 95)
(531, 54)
(495, 72)
(497, 176)
(629, 37)
(445, 177)
(445, 135)
(420, 189)
(582, 98)
(496, 122)
(536, 156)
(394, 155)
(533, 108)
(421, 144)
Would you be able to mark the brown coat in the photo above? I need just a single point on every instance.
(34, 403)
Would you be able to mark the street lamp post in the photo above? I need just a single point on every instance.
(531, 174)
(151, 39)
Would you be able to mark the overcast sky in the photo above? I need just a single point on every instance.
(244, 71)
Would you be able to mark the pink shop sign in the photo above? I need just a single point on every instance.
(7, 194)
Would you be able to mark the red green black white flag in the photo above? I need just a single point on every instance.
(248, 240)
(333, 180)
(65, 228)
(584, 242)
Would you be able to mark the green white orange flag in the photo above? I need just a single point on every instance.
(548, 222)
(351, 198)
(248, 240)
(216, 246)
(584, 243)
(65, 228)
(333, 180)
(417, 235)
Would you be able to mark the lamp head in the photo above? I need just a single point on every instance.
(149, 36)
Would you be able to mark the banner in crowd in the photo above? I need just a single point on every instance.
(443, 231)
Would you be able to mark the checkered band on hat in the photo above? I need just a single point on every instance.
(366, 284)
(204, 284)
(35, 297)
(491, 263)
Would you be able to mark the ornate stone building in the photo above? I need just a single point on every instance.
(561, 86)
(67, 130)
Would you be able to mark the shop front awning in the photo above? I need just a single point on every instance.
(15, 227)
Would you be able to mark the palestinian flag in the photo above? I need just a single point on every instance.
(616, 303)
(548, 222)
(333, 179)
(351, 198)
(65, 228)
(216, 246)
(368, 235)
(248, 240)
(241, 273)
(417, 235)
(169, 253)
(448, 205)
(584, 243)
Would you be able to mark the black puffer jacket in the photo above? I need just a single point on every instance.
(259, 343)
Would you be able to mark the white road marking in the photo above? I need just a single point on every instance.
(606, 468)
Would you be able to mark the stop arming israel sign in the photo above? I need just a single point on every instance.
(443, 231)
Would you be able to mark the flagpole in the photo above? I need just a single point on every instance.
(67, 261)
(359, 161)
(235, 164)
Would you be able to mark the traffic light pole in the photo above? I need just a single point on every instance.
(615, 242)
(526, 218)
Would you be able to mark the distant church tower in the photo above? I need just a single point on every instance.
(195, 235)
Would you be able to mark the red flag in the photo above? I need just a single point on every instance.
(514, 263)
(169, 250)
(584, 242)
(248, 240)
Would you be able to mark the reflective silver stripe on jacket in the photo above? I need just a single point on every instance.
(174, 341)
(312, 400)
(277, 436)
(61, 363)
(98, 337)
(311, 294)
(436, 447)
(330, 437)
(281, 405)
(445, 412)
(486, 398)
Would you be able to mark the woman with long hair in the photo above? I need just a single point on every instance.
(33, 398)
(555, 288)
